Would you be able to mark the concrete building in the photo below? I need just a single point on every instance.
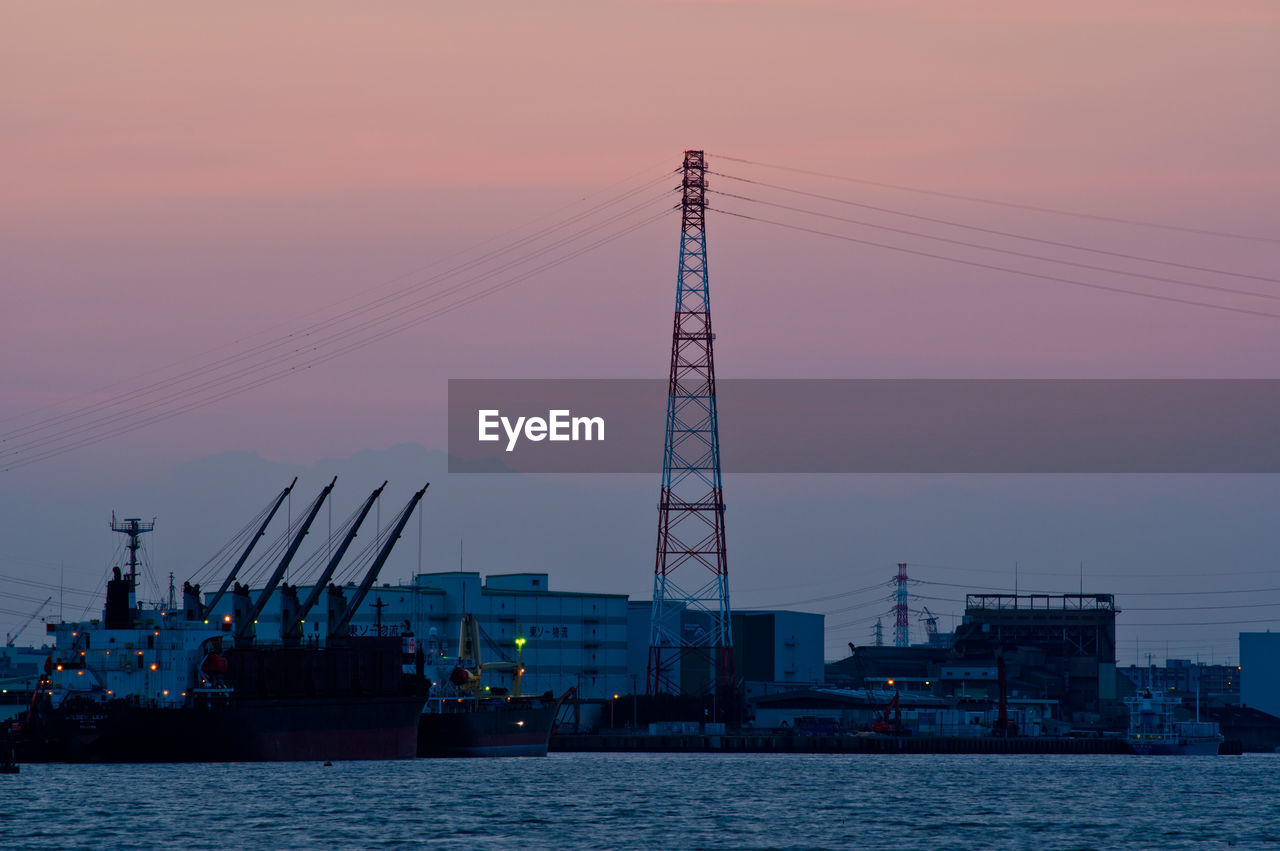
(20, 669)
(1058, 650)
(1056, 647)
(571, 639)
(1260, 671)
(880, 664)
(772, 650)
(781, 647)
(846, 710)
(1211, 684)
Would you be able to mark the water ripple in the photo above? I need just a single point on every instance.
(624, 801)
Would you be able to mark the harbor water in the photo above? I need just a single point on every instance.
(655, 801)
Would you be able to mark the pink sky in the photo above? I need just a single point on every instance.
(176, 178)
(179, 177)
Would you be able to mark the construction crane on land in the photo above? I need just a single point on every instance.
(930, 625)
(11, 638)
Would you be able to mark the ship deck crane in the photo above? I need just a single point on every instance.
(470, 663)
(262, 528)
(338, 626)
(291, 632)
(244, 628)
(10, 638)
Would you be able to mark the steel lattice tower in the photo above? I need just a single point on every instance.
(689, 627)
(901, 624)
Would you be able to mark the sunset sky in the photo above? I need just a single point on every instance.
(183, 182)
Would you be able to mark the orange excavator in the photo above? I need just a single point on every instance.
(886, 725)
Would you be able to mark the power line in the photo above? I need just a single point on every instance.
(542, 217)
(1023, 254)
(1011, 204)
(1275, 605)
(310, 357)
(365, 308)
(825, 598)
(48, 586)
(1126, 593)
(1023, 273)
(251, 368)
(1200, 623)
(199, 403)
(1072, 572)
(995, 232)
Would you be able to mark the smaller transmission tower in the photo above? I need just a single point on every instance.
(902, 623)
(878, 632)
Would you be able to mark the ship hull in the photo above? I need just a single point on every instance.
(507, 730)
(1183, 748)
(254, 730)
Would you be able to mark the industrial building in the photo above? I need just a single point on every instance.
(597, 643)
(835, 710)
(1260, 671)
(571, 639)
(1058, 650)
(1217, 685)
(20, 669)
(1055, 647)
(772, 650)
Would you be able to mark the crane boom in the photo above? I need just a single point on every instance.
(339, 626)
(930, 624)
(293, 630)
(243, 628)
(262, 528)
(10, 639)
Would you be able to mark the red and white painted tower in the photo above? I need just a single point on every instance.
(901, 621)
(690, 638)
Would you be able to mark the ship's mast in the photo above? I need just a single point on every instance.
(135, 529)
(122, 600)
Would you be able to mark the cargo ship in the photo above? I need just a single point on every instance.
(173, 683)
(465, 718)
(1154, 731)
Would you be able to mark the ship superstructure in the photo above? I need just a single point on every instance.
(174, 683)
(1155, 731)
(464, 717)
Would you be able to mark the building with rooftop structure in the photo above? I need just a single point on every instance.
(571, 638)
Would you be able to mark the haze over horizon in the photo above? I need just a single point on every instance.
(186, 183)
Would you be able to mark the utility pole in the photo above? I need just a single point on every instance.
(691, 576)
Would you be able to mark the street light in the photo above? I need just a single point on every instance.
(612, 704)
